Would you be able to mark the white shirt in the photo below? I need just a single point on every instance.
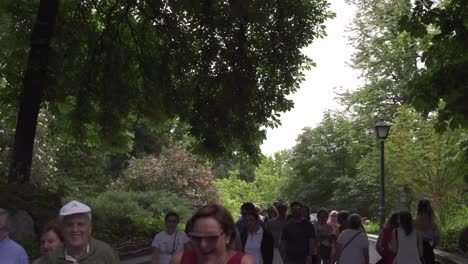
(168, 245)
(353, 253)
(253, 243)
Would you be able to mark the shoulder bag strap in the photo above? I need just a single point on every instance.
(173, 243)
(351, 239)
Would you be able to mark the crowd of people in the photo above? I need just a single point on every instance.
(281, 234)
(406, 240)
(272, 237)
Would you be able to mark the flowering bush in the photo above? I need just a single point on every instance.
(174, 170)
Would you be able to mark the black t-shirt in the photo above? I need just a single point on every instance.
(297, 235)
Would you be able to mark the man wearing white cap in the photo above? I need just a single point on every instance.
(79, 247)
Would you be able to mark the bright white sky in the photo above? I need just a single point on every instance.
(317, 92)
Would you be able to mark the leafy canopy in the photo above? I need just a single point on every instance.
(445, 57)
(223, 67)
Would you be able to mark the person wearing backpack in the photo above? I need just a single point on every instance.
(352, 245)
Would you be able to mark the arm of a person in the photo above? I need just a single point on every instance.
(282, 249)
(393, 246)
(420, 246)
(188, 245)
(365, 253)
(270, 245)
(436, 236)
(155, 256)
(24, 258)
(247, 259)
(176, 258)
(313, 253)
(338, 250)
(379, 244)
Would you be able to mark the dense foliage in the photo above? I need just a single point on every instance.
(442, 29)
(223, 68)
(264, 190)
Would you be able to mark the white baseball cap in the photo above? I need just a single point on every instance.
(75, 207)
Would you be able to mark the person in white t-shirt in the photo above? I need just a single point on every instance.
(352, 244)
(167, 243)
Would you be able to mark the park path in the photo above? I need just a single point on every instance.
(373, 255)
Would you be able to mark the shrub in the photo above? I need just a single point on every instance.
(176, 171)
(118, 215)
(452, 224)
(372, 228)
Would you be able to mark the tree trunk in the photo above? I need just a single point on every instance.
(33, 89)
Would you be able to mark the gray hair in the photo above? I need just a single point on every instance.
(4, 213)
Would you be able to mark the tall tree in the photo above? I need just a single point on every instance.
(445, 75)
(34, 84)
(386, 57)
(222, 67)
(321, 155)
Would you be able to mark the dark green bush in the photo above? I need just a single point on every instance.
(120, 215)
(452, 224)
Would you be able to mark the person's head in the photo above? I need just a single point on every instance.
(305, 212)
(342, 218)
(213, 232)
(251, 221)
(76, 225)
(4, 223)
(282, 210)
(322, 216)
(247, 207)
(272, 212)
(406, 222)
(354, 221)
(172, 220)
(296, 209)
(392, 221)
(51, 237)
(332, 218)
(425, 211)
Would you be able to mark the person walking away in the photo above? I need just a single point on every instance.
(10, 251)
(256, 241)
(305, 212)
(166, 243)
(212, 236)
(298, 239)
(324, 236)
(51, 238)
(275, 226)
(352, 246)
(385, 236)
(426, 224)
(406, 242)
(79, 247)
(343, 224)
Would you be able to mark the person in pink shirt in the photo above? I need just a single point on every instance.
(333, 222)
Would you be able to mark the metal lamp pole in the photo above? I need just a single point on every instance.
(381, 131)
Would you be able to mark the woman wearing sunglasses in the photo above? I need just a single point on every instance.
(212, 236)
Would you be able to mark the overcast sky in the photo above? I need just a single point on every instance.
(317, 92)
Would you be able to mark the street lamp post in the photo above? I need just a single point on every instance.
(381, 131)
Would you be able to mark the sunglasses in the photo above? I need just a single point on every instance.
(210, 240)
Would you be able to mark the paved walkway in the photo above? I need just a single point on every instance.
(373, 255)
